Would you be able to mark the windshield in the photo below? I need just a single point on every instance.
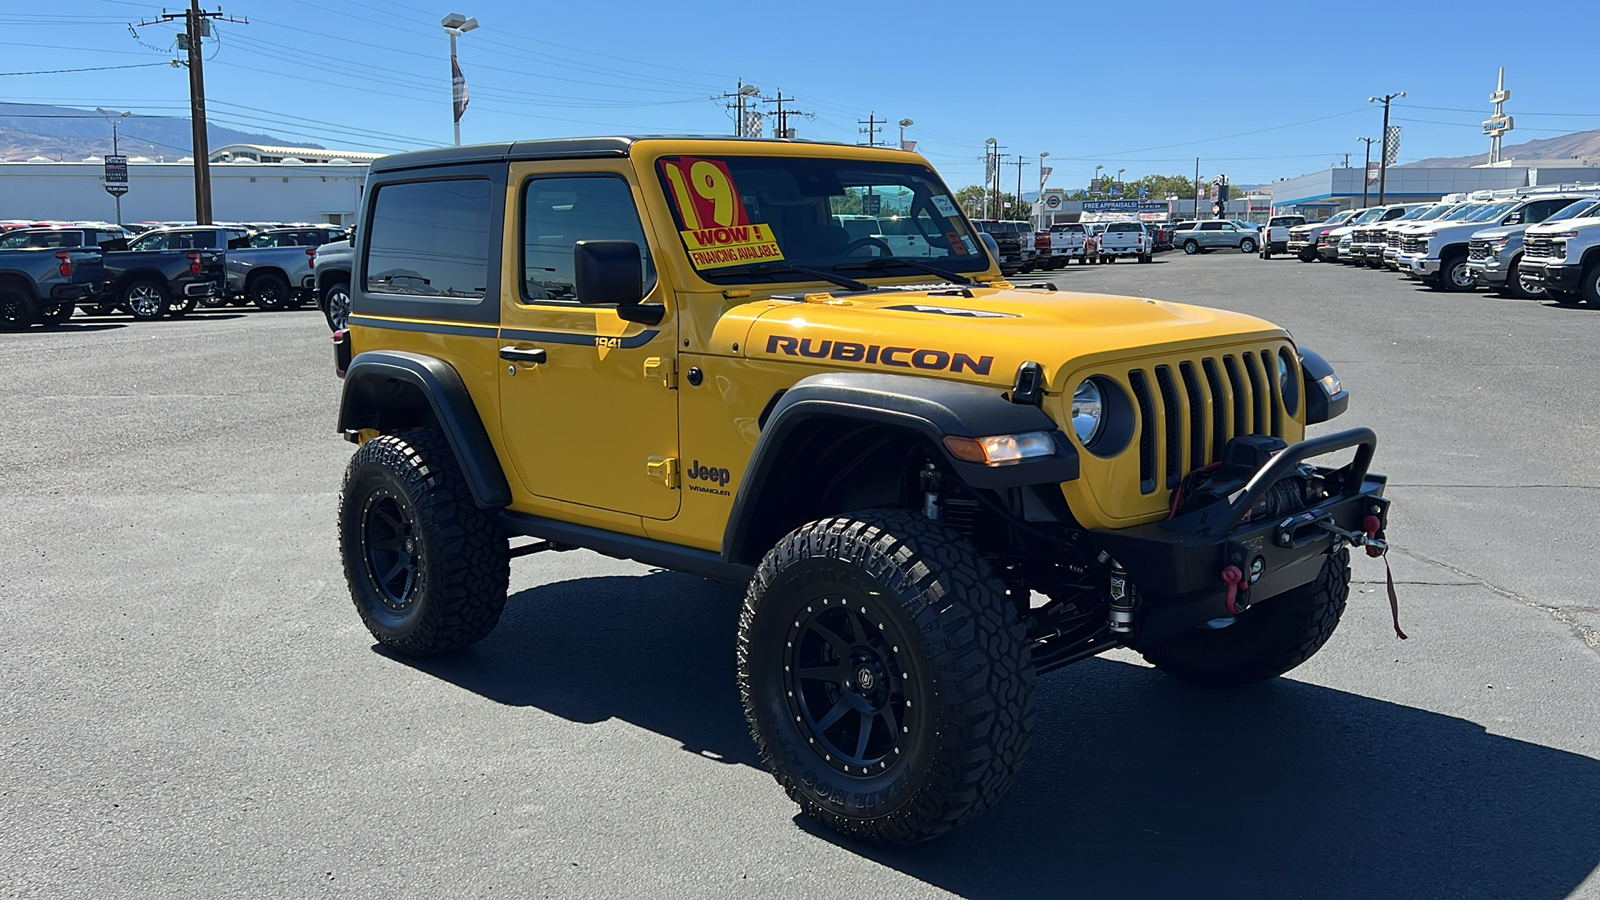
(1368, 216)
(1464, 211)
(1433, 212)
(23, 240)
(1338, 218)
(1577, 210)
(1492, 211)
(1412, 215)
(736, 213)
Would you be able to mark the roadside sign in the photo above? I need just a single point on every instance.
(116, 175)
(1053, 201)
(872, 204)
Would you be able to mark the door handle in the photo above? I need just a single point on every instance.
(533, 355)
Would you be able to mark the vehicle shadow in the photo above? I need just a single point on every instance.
(1136, 786)
(73, 326)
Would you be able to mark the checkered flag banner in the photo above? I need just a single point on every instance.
(1391, 151)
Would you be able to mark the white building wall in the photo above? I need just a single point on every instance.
(164, 192)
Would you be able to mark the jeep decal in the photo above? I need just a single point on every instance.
(710, 474)
(878, 355)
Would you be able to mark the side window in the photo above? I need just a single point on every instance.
(156, 241)
(557, 213)
(430, 239)
(1538, 212)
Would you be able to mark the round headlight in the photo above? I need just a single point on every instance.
(1088, 411)
(1288, 383)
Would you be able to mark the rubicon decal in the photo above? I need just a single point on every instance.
(878, 355)
(719, 478)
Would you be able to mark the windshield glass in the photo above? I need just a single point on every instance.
(1434, 212)
(1367, 216)
(1577, 210)
(735, 213)
(1459, 213)
(1492, 211)
(1412, 215)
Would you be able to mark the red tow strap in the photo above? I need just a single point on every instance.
(1371, 525)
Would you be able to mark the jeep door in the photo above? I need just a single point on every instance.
(593, 418)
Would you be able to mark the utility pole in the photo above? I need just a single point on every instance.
(1383, 164)
(1347, 155)
(1021, 161)
(1364, 169)
(197, 25)
(874, 125)
(1197, 188)
(741, 99)
(782, 115)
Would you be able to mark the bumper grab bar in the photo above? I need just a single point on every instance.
(1284, 463)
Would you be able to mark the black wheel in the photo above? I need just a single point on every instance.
(1145, 258)
(427, 568)
(16, 309)
(885, 675)
(1191, 248)
(215, 301)
(336, 305)
(1519, 285)
(1308, 256)
(145, 300)
(1591, 284)
(1454, 275)
(57, 315)
(1248, 245)
(269, 291)
(1265, 640)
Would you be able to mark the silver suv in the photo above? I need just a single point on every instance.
(1217, 234)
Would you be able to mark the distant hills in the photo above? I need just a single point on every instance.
(66, 133)
(1578, 145)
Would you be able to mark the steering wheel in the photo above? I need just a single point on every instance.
(858, 243)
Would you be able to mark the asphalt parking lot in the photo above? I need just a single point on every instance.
(189, 706)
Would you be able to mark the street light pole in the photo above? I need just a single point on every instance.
(991, 170)
(1364, 170)
(904, 124)
(1383, 163)
(455, 25)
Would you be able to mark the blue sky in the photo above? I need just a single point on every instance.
(1257, 91)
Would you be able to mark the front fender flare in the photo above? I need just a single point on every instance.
(378, 379)
(925, 406)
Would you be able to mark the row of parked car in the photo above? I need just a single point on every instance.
(1022, 248)
(1538, 243)
(49, 271)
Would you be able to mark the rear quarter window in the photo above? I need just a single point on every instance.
(430, 239)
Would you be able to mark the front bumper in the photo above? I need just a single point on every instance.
(1176, 564)
(1422, 267)
(1554, 277)
(1488, 272)
(1328, 252)
(1299, 245)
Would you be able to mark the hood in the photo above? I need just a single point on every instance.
(1500, 231)
(1562, 225)
(982, 334)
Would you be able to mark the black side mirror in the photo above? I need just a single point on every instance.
(239, 243)
(612, 273)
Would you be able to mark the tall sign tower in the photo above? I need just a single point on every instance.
(1499, 123)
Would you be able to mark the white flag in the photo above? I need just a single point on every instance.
(458, 88)
(908, 146)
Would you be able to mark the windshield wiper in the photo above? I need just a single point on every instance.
(840, 280)
(884, 262)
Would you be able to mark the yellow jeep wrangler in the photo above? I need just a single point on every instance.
(934, 485)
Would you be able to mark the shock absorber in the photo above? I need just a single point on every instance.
(1124, 597)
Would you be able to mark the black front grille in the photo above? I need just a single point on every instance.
(1393, 241)
(1411, 244)
(1219, 408)
(1539, 246)
(1477, 249)
(1172, 426)
(1197, 415)
(1147, 431)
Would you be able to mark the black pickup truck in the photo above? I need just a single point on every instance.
(44, 285)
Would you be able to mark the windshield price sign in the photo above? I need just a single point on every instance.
(716, 230)
(116, 175)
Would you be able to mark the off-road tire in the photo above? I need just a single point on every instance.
(1266, 640)
(269, 292)
(56, 314)
(965, 675)
(145, 300)
(459, 558)
(16, 309)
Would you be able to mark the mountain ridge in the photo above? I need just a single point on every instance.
(1577, 145)
(70, 134)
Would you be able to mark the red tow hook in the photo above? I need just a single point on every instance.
(1232, 576)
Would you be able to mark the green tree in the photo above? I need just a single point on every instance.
(972, 197)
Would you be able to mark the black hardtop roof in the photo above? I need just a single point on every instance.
(552, 148)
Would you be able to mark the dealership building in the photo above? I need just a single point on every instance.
(249, 183)
(1322, 193)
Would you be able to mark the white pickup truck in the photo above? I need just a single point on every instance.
(1068, 241)
(1125, 239)
(1275, 234)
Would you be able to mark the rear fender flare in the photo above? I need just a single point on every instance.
(381, 388)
